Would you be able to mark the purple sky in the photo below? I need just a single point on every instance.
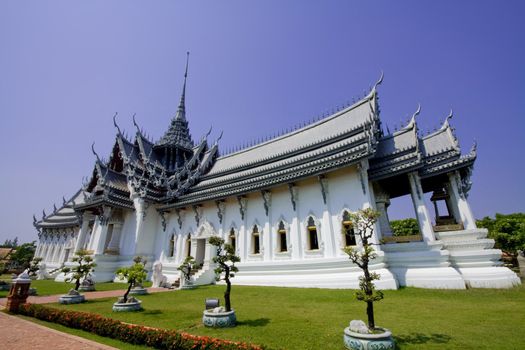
(255, 68)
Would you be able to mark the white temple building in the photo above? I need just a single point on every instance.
(283, 203)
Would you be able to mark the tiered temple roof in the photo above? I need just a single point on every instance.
(175, 172)
(63, 217)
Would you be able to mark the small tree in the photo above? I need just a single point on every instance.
(20, 258)
(363, 222)
(134, 274)
(34, 266)
(84, 266)
(186, 267)
(226, 268)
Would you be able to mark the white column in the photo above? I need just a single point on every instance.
(101, 242)
(139, 215)
(458, 198)
(267, 238)
(115, 237)
(423, 216)
(382, 203)
(82, 233)
(295, 241)
(327, 229)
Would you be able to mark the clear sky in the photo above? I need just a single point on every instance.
(256, 67)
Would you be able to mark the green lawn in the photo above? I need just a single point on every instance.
(50, 287)
(294, 318)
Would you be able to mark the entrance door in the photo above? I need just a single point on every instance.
(199, 254)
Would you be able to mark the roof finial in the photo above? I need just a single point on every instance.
(379, 81)
(135, 123)
(416, 113)
(115, 123)
(94, 152)
(181, 110)
(63, 200)
(450, 115)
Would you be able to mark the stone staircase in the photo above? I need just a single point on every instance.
(474, 256)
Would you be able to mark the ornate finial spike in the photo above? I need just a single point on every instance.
(220, 136)
(450, 115)
(94, 152)
(135, 123)
(43, 214)
(209, 131)
(34, 218)
(115, 123)
(187, 62)
(379, 81)
(63, 200)
(416, 113)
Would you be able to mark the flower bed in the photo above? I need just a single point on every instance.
(129, 333)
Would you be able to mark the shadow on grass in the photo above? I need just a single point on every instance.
(260, 322)
(151, 312)
(420, 338)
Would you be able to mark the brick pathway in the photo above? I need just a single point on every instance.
(16, 333)
(88, 295)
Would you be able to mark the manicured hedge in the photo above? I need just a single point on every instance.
(133, 334)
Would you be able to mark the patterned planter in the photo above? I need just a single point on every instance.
(138, 291)
(86, 288)
(71, 299)
(210, 318)
(125, 307)
(359, 341)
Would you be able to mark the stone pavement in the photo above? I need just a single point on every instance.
(88, 295)
(16, 333)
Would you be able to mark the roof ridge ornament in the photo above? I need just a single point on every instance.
(379, 81)
(94, 152)
(136, 125)
(416, 113)
(115, 123)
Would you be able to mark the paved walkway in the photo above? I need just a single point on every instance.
(16, 333)
(88, 295)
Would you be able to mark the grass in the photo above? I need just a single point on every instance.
(295, 318)
(50, 287)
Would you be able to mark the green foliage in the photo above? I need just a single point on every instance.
(134, 274)
(22, 256)
(364, 221)
(226, 269)
(8, 243)
(186, 267)
(507, 230)
(107, 327)
(405, 227)
(83, 267)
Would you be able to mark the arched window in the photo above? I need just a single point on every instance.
(188, 245)
(348, 230)
(313, 242)
(231, 238)
(171, 246)
(256, 245)
(281, 237)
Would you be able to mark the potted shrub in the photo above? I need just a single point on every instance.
(185, 269)
(358, 335)
(225, 269)
(134, 275)
(83, 268)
